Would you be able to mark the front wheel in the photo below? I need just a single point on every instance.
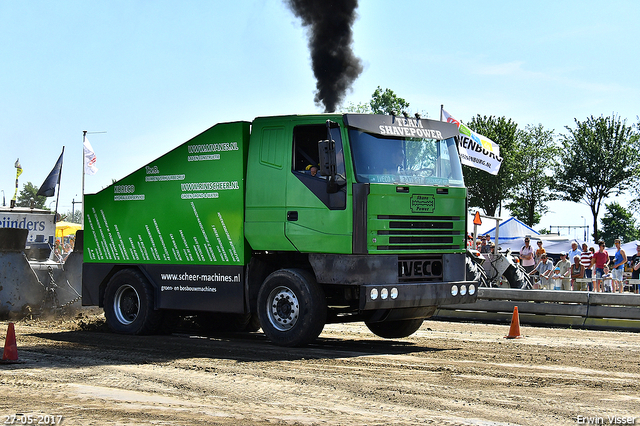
(395, 329)
(291, 307)
(128, 304)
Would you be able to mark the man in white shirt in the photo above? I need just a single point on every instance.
(575, 251)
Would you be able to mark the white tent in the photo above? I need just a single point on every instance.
(511, 234)
(511, 229)
(629, 248)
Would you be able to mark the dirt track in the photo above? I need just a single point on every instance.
(447, 373)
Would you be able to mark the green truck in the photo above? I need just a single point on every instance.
(285, 223)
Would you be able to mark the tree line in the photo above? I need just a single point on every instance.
(27, 197)
(593, 160)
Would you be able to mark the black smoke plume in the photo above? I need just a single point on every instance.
(330, 38)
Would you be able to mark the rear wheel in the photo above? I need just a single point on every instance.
(517, 277)
(395, 329)
(291, 307)
(476, 272)
(128, 304)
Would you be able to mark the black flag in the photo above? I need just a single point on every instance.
(48, 187)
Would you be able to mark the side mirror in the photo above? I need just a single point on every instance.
(327, 155)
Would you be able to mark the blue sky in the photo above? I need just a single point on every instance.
(153, 74)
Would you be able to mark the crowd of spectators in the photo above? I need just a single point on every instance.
(579, 269)
(582, 269)
(62, 249)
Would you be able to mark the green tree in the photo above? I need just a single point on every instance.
(618, 222)
(534, 154)
(360, 108)
(28, 198)
(386, 102)
(488, 191)
(634, 204)
(601, 158)
(382, 102)
(72, 216)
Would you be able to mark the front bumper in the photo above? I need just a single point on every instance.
(415, 295)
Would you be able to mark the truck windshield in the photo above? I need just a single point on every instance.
(380, 159)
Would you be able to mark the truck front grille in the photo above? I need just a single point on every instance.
(435, 233)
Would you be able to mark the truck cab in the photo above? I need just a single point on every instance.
(380, 227)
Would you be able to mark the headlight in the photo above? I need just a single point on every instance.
(454, 290)
(394, 293)
(463, 290)
(472, 290)
(374, 293)
(384, 293)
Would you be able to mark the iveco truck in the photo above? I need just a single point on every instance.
(285, 223)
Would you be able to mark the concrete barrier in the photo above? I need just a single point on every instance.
(20, 290)
(582, 309)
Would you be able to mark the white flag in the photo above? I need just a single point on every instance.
(476, 150)
(89, 158)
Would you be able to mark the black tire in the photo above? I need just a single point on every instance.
(517, 277)
(475, 272)
(128, 304)
(395, 329)
(292, 307)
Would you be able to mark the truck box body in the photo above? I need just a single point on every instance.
(181, 219)
(378, 231)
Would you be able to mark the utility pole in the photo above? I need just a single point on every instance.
(73, 206)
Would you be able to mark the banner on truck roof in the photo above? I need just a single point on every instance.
(476, 150)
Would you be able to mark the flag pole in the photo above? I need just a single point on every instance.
(441, 114)
(84, 136)
(55, 217)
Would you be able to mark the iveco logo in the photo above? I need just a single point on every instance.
(423, 203)
(419, 268)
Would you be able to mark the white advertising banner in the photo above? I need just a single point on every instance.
(40, 225)
(476, 150)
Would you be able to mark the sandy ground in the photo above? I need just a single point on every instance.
(447, 374)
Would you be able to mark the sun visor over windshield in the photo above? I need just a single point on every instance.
(389, 125)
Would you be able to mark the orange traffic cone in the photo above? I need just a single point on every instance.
(514, 331)
(10, 346)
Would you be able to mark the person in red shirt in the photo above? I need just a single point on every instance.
(600, 260)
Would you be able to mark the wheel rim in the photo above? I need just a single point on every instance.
(283, 308)
(126, 304)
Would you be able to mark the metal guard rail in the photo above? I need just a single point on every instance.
(578, 309)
